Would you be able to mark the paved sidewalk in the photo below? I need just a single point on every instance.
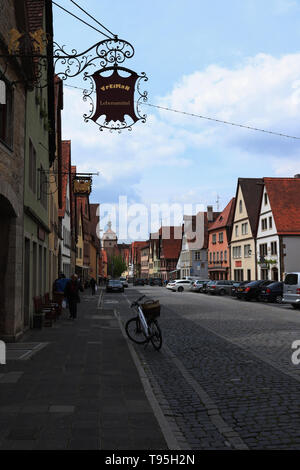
(77, 387)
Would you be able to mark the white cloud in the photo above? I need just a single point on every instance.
(262, 91)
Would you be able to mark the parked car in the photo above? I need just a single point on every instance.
(139, 282)
(236, 285)
(124, 281)
(291, 289)
(155, 281)
(179, 285)
(251, 290)
(220, 287)
(197, 285)
(114, 286)
(272, 292)
(205, 287)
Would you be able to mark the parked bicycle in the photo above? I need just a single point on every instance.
(144, 326)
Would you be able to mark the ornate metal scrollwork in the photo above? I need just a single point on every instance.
(107, 53)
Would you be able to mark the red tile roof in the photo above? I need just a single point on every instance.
(225, 218)
(284, 197)
(35, 10)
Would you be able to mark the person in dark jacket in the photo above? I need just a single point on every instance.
(93, 285)
(71, 293)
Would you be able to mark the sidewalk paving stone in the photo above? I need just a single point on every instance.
(79, 390)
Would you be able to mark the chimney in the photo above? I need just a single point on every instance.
(297, 176)
(210, 214)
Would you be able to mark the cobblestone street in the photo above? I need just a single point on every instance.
(224, 377)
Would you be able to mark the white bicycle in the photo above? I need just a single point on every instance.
(144, 327)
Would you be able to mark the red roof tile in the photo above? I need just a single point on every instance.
(225, 218)
(284, 197)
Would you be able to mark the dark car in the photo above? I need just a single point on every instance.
(238, 287)
(114, 286)
(156, 281)
(251, 290)
(272, 292)
(139, 282)
(220, 287)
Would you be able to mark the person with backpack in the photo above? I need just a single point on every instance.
(71, 293)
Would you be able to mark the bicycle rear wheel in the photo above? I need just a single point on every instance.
(155, 335)
(134, 331)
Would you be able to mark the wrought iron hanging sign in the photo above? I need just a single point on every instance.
(117, 88)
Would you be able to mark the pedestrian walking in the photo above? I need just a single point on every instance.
(93, 285)
(71, 293)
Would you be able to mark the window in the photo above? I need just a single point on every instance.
(263, 250)
(264, 224)
(210, 257)
(236, 230)
(214, 256)
(6, 116)
(221, 256)
(225, 255)
(214, 239)
(198, 255)
(241, 207)
(266, 198)
(221, 237)
(273, 248)
(32, 167)
(217, 256)
(236, 252)
(247, 249)
(270, 222)
(245, 228)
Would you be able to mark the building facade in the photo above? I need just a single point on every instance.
(278, 235)
(219, 235)
(244, 229)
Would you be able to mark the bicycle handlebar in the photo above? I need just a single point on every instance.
(137, 301)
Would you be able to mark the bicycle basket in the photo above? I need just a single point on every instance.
(151, 309)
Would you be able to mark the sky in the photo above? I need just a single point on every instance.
(229, 60)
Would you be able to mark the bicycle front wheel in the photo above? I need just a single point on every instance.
(155, 335)
(134, 331)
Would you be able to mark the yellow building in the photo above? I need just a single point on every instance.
(244, 229)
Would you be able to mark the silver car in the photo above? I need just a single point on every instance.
(291, 290)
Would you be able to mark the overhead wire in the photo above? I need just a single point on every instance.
(88, 14)
(279, 134)
(80, 19)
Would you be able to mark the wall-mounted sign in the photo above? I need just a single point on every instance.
(115, 96)
(82, 186)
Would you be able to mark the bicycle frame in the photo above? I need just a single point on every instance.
(143, 322)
